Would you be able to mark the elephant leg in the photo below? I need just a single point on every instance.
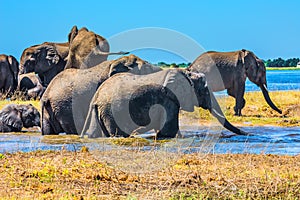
(171, 127)
(92, 124)
(50, 125)
(47, 124)
(238, 94)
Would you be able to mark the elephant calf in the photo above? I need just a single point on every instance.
(14, 117)
(31, 85)
(132, 104)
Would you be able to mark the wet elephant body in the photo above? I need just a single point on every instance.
(66, 100)
(128, 104)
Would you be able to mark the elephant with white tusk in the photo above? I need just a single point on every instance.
(229, 70)
(129, 104)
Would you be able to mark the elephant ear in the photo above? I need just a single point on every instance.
(180, 84)
(72, 34)
(251, 66)
(51, 54)
(12, 118)
(14, 66)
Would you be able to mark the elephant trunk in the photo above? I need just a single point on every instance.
(265, 92)
(217, 113)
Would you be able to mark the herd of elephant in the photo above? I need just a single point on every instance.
(82, 93)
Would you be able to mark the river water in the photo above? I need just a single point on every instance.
(264, 139)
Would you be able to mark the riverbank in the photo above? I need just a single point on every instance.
(282, 68)
(82, 175)
(255, 113)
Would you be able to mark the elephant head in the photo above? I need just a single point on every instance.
(14, 117)
(46, 60)
(87, 49)
(191, 90)
(256, 72)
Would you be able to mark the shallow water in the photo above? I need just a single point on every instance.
(268, 140)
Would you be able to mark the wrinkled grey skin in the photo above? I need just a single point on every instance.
(65, 102)
(9, 69)
(229, 70)
(46, 60)
(129, 104)
(14, 117)
(30, 85)
(87, 49)
(83, 50)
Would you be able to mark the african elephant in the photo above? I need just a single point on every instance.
(46, 60)
(14, 117)
(30, 85)
(129, 104)
(84, 49)
(229, 70)
(65, 102)
(9, 69)
(87, 49)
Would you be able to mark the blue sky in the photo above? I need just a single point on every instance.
(269, 28)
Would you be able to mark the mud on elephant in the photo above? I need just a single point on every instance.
(9, 69)
(87, 49)
(84, 49)
(66, 100)
(229, 70)
(14, 117)
(133, 104)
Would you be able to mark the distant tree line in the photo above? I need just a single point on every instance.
(173, 65)
(277, 62)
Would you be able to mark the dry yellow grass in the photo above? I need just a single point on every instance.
(256, 111)
(81, 175)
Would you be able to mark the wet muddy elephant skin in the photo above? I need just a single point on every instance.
(9, 70)
(66, 100)
(84, 49)
(87, 49)
(14, 117)
(129, 104)
(229, 70)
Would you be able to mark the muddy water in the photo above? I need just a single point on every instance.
(267, 139)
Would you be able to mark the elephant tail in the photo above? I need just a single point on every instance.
(93, 125)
